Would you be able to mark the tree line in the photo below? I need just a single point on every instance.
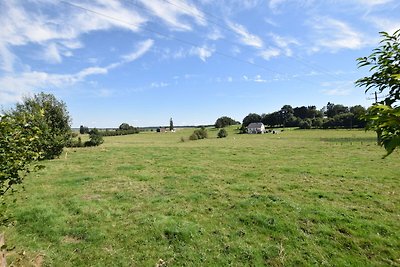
(307, 117)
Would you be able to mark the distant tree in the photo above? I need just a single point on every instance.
(301, 112)
(124, 126)
(95, 138)
(224, 121)
(384, 116)
(333, 110)
(83, 130)
(222, 133)
(171, 124)
(273, 119)
(286, 114)
(51, 117)
(359, 113)
(252, 117)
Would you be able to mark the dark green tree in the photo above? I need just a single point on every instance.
(222, 133)
(252, 117)
(124, 126)
(171, 124)
(384, 116)
(224, 121)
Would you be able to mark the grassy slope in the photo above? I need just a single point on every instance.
(297, 198)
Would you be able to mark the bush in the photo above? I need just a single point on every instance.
(95, 138)
(305, 124)
(222, 133)
(18, 147)
(199, 134)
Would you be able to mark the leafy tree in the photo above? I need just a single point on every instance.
(222, 133)
(332, 110)
(95, 138)
(19, 140)
(252, 117)
(171, 124)
(224, 121)
(51, 117)
(384, 116)
(358, 114)
(286, 114)
(124, 126)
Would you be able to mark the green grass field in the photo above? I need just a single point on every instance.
(298, 198)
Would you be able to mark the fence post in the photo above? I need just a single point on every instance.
(3, 262)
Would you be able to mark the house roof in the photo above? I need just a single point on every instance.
(255, 125)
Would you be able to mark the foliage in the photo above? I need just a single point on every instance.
(383, 117)
(385, 120)
(83, 130)
(252, 117)
(51, 117)
(222, 133)
(116, 132)
(171, 124)
(95, 138)
(19, 140)
(225, 121)
(338, 116)
(199, 134)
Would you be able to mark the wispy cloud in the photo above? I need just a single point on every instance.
(257, 79)
(173, 14)
(203, 52)
(246, 37)
(15, 86)
(60, 30)
(269, 53)
(334, 35)
(338, 88)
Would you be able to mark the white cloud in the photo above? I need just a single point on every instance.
(257, 79)
(51, 54)
(284, 43)
(141, 49)
(15, 86)
(215, 34)
(172, 13)
(337, 88)
(203, 52)
(384, 24)
(59, 29)
(269, 53)
(245, 36)
(334, 35)
(158, 84)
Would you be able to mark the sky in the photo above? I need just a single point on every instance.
(143, 62)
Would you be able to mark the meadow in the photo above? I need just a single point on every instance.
(297, 198)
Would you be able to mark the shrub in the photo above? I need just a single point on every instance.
(199, 134)
(222, 133)
(95, 138)
(19, 140)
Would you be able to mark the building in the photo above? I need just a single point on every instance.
(256, 128)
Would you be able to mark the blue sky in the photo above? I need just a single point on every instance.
(144, 61)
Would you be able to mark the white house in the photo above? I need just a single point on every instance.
(256, 128)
